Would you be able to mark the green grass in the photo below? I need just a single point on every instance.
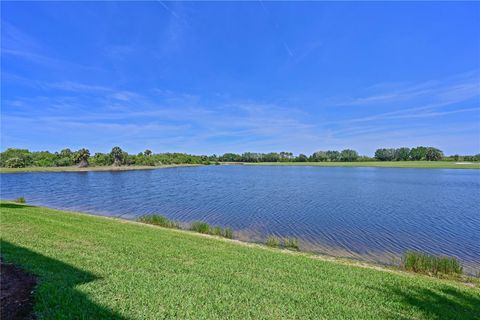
(425, 263)
(382, 164)
(93, 267)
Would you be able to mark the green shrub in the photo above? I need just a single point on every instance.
(291, 243)
(429, 264)
(216, 231)
(287, 243)
(228, 233)
(201, 227)
(14, 163)
(273, 241)
(20, 200)
(158, 220)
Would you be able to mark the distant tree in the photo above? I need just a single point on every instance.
(402, 154)
(385, 154)
(286, 156)
(117, 155)
(101, 159)
(65, 158)
(418, 153)
(333, 155)
(14, 163)
(127, 159)
(81, 157)
(147, 153)
(271, 157)
(380, 154)
(348, 155)
(231, 157)
(250, 157)
(66, 153)
(433, 154)
(302, 158)
(23, 154)
(320, 156)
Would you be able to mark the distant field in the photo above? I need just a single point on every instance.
(102, 268)
(383, 164)
(99, 168)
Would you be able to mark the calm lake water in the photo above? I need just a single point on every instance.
(368, 213)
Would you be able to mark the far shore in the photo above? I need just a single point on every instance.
(380, 164)
(91, 168)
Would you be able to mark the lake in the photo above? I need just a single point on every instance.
(374, 214)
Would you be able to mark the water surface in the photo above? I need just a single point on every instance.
(368, 213)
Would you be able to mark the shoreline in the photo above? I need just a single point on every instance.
(376, 164)
(323, 256)
(367, 164)
(92, 169)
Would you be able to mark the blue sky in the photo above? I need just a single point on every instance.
(217, 77)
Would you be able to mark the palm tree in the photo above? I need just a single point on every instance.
(81, 157)
(117, 155)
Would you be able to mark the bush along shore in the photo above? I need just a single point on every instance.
(197, 226)
(430, 264)
(91, 267)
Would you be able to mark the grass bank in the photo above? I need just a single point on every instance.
(380, 164)
(93, 267)
(92, 168)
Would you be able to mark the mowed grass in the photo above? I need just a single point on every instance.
(380, 164)
(92, 267)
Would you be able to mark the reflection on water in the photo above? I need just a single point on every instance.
(372, 213)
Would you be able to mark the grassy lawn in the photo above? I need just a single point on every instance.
(93, 267)
(92, 168)
(382, 164)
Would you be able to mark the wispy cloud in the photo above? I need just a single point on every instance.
(172, 12)
(454, 95)
(20, 45)
(77, 87)
(160, 116)
(453, 89)
(276, 26)
(178, 121)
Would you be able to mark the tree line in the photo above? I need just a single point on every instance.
(19, 158)
(344, 155)
(406, 154)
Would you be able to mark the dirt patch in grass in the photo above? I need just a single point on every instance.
(16, 293)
